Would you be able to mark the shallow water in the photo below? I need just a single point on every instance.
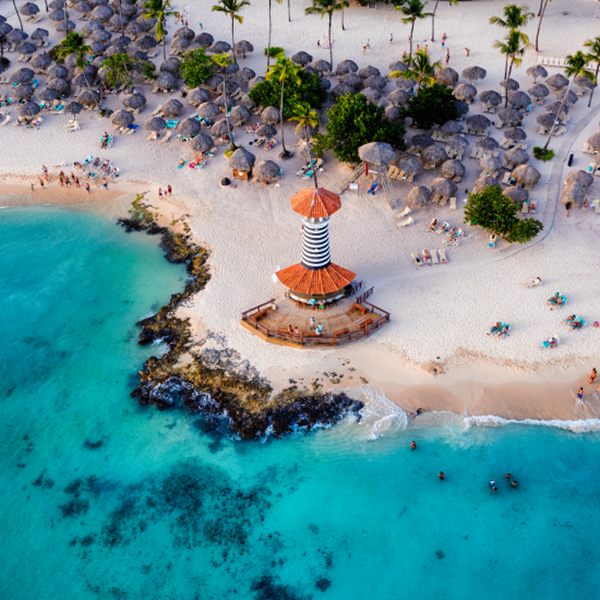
(101, 498)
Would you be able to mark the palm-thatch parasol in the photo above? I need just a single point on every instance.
(519, 99)
(419, 195)
(474, 73)
(369, 71)
(116, 20)
(101, 35)
(88, 98)
(483, 183)
(266, 131)
(447, 77)
(266, 171)
(306, 133)
(444, 187)
(537, 71)
(433, 157)
(305, 150)
(302, 58)
(465, 91)
(245, 100)
(392, 113)
(213, 82)
(204, 40)
(453, 169)
(47, 95)
(74, 107)
(398, 97)
(201, 143)
(516, 193)
(40, 34)
(515, 134)
(320, 66)
(526, 176)
(56, 4)
(371, 94)
(510, 116)
(16, 36)
(166, 81)
(29, 109)
(515, 157)
(171, 108)
(456, 142)
(487, 143)
(180, 44)
(155, 124)
(188, 128)
(376, 82)
(570, 95)
(246, 74)
(353, 80)
(377, 153)
(102, 13)
(29, 9)
(478, 122)
(230, 87)
(573, 193)
(145, 43)
(346, 66)
(410, 165)
(405, 84)
(221, 127)
(538, 90)
(83, 7)
(122, 118)
(23, 75)
(98, 48)
(24, 91)
(26, 48)
(83, 80)
(397, 65)
(452, 127)
(583, 83)
(422, 141)
(462, 108)
(135, 101)
(60, 86)
(509, 85)
(58, 71)
(255, 81)
(554, 107)
(490, 164)
(557, 81)
(341, 89)
(208, 110)
(185, 32)
(242, 160)
(243, 47)
(584, 179)
(171, 65)
(491, 98)
(128, 9)
(57, 15)
(91, 26)
(219, 48)
(239, 115)
(270, 115)
(547, 120)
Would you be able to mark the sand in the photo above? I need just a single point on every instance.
(439, 314)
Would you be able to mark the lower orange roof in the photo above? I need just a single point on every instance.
(315, 282)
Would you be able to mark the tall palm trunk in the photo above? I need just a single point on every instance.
(330, 47)
(506, 67)
(310, 156)
(537, 35)
(164, 41)
(284, 153)
(433, 21)
(558, 112)
(412, 29)
(506, 88)
(540, 8)
(289, 12)
(233, 38)
(343, 28)
(46, 3)
(18, 15)
(121, 16)
(269, 42)
(594, 85)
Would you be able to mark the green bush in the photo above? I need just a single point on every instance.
(275, 51)
(497, 214)
(352, 122)
(433, 105)
(542, 154)
(121, 69)
(195, 67)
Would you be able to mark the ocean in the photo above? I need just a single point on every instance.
(103, 499)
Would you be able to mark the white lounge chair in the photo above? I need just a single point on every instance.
(415, 256)
(443, 258)
(596, 205)
(434, 257)
(166, 137)
(404, 213)
(453, 203)
(408, 221)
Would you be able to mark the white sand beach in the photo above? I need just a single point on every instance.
(440, 314)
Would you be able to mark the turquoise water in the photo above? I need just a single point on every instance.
(103, 499)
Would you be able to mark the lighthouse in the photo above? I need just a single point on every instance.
(315, 277)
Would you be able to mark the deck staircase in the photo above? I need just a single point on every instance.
(390, 194)
(356, 173)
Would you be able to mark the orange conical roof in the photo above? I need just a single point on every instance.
(319, 282)
(316, 203)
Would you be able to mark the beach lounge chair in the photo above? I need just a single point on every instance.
(6, 121)
(426, 256)
(504, 143)
(131, 129)
(151, 136)
(532, 207)
(492, 241)
(559, 131)
(453, 203)
(166, 137)
(443, 258)
(596, 206)
(415, 256)
(157, 112)
(587, 148)
(434, 257)
(506, 179)
(403, 213)
(473, 153)
(460, 153)
(408, 221)
(525, 208)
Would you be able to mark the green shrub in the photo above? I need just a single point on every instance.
(275, 51)
(433, 105)
(195, 67)
(542, 154)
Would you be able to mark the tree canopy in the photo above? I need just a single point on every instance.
(121, 69)
(432, 105)
(352, 122)
(196, 67)
(497, 214)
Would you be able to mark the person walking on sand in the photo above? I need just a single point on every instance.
(87, 187)
(447, 56)
(42, 183)
(169, 190)
(61, 177)
(77, 182)
(104, 183)
(580, 395)
(468, 52)
(32, 187)
(444, 40)
(391, 38)
(593, 376)
(364, 50)
(368, 44)
(160, 194)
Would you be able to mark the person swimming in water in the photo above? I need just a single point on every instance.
(413, 446)
(442, 476)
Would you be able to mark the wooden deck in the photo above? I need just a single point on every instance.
(342, 323)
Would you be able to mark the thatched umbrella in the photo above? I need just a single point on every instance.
(186, 33)
(239, 115)
(47, 95)
(91, 26)
(135, 101)
(547, 120)
(201, 143)
(346, 66)
(230, 87)
(189, 127)
(266, 131)
(453, 169)
(537, 71)
(74, 107)
(102, 13)
(243, 47)
(484, 182)
(88, 98)
(491, 98)
(222, 127)
(57, 4)
(393, 114)
(341, 89)
(245, 100)
(583, 83)
(242, 160)
(444, 187)
(219, 48)
(474, 73)
(526, 176)
(352, 79)
(26, 48)
(23, 91)
(515, 134)
(456, 142)
(466, 92)
(509, 85)
(570, 95)
(204, 40)
(155, 124)
(208, 110)
(447, 77)
(517, 194)
(377, 153)
(320, 66)
(83, 80)
(397, 65)
(29, 9)
(419, 195)
(433, 157)
(371, 94)
(41, 61)
(255, 81)
(376, 82)
(16, 36)
(510, 116)
(270, 115)
(305, 150)
(554, 107)
(398, 97)
(98, 48)
(122, 118)
(146, 43)
(40, 34)
(166, 81)
(478, 122)
(410, 165)
(368, 71)
(452, 127)
(422, 141)
(117, 20)
(557, 81)
(171, 108)
(213, 82)
(225, 102)
(171, 65)
(515, 157)
(490, 164)
(487, 143)
(573, 193)
(57, 15)
(302, 58)
(180, 44)
(28, 109)
(266, 171)
(519, 99)
(83, 7)
(538, 90)
(101, 35)
(462, 108)
(23, 75)
(246, 74)
(584, 179)
(128, 9)
(60, 86)
(57, 71)
(405, 84)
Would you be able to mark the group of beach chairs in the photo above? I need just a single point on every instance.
(308, 170)
(499, 330)
(430, 258)
(556, 301)
(479, 153)
(95, 167)
(452, 234)
(399, 175)
(574, 322)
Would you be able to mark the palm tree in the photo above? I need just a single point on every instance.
(75, 44)
(593, 56)
(413, 11)
(306, 117)
(513, 48)
(327, 7)
(433, 17)
(269, 42)
(537, 35)
(420, 68)
(232, 8)
(223, 60)
(18, 14)
(283, 70)
(159, 10)
(575, 68)
(514, 17)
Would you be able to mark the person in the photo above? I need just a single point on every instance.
(32, 187)
(313, 323)
(319, 329)
(318, 43)
(413, 446)
(442, 476)
(537, 281)
(514, 483)
(61, 177)
(592, 376)
(296, 332)
(404, 55)
(508, 476)
(571, 318)
(554, 298)
(104, 183)
(87, 187)
(433, 224)
(426, 48)
(552, 342)
(364, 49)
(368, 44)
(160, 194)
(447, 56)
(169, 190)
(580, 394)
(444, 40)
(391, 37)
(290, 330)
(468, 52)
(494, 489)
(42, 183)
(418, 48)
(77, 182)
(492, 483)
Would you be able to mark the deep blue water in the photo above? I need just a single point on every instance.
(103, 499)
